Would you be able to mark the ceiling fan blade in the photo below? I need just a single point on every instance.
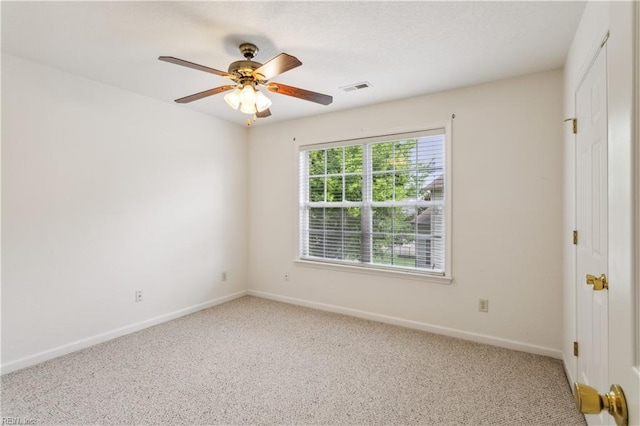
(276, 66)
(263, 114)
(204, 94)
(195, 66)
(307, 95)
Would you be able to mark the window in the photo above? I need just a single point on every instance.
(376, 202)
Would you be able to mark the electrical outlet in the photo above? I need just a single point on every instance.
(138, 296)
(483, 305)
(224, 276)
(286, 276)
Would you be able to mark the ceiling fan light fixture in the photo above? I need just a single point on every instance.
(233, 99)
(248, 108)
(262, 102)
(244, 93)
(248, 94)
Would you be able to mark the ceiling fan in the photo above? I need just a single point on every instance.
(248, 76)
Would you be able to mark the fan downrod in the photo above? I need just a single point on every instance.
(248, 50)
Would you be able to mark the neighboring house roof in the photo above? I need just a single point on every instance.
(423, 218)
(437, 184)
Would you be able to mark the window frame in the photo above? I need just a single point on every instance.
(368, 137)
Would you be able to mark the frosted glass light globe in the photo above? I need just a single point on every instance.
(248, 95)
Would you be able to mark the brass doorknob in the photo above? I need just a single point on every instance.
(589, 401)
(598, 283)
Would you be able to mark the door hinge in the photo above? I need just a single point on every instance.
(575, 237)
(574, 124)
(575, 349)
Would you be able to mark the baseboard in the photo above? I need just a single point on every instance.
(568, 372)
(460, 334)
(109, 335)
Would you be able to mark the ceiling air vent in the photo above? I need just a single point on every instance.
(356, 86)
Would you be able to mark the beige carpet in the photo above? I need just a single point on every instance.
(255, 361)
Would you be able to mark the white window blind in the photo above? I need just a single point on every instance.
(375, 202)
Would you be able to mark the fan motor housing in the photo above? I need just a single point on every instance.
(244, 68)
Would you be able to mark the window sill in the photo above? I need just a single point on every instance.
(372, 270)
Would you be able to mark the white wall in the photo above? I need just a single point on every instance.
(507, 216)
(105, 192)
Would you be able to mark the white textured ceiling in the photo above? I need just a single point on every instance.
(402, 49)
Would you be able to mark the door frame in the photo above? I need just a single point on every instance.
(624, 185)
(636, 190)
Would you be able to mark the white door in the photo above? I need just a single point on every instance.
(607, 216)
(592, 227)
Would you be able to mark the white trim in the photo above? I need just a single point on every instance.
(448, 200)
(635, 192)
(359, 268)
(347, 204)
(416, 325)
(370, 133)
(570, 374)
(37, 358)
(369, 140)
